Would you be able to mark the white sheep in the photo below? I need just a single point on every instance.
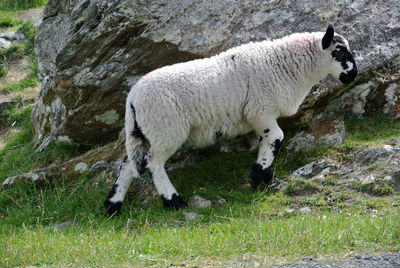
(243, 89)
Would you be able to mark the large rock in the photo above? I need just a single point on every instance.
(91, 52)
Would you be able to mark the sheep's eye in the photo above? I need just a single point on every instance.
(339, 55)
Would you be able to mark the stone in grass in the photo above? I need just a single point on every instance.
(311, 169)
(197, 201)
(375, 154)
(220, 201)
(81, 167)
(61, 225)
(191, 216)
(305, 210)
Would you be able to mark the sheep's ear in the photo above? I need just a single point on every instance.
(328, 37)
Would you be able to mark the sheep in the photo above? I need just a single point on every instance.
(243, 89)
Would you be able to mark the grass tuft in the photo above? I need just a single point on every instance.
(8, 21)
(14, 5)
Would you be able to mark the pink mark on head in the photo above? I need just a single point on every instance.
(303, 39)
(302, 42)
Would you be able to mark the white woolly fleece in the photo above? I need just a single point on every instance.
(228, 93)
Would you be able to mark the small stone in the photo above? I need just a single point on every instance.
(191, 216)
(220, 201)
(62, 225)
(35, 176)
(368, 180)
(305, 210)
(197, 201)
(311, 169)
(290, 210)
(301, 141)
(246, 186)
(307, 259)
(387, 178)
(4, 44)
(98, 166)
(375, 154)
(81, 167)
(225, 149)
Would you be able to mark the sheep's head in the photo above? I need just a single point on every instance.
(342, 61)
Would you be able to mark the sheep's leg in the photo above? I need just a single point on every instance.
(165, 189)
(116, 196)
(271, 137)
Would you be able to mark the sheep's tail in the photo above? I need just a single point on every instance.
(135, 143)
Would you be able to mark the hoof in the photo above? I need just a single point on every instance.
(268, 175)
(176, 202)
(113, 209)
(258, 174)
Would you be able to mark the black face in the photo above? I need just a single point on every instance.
(346, 60)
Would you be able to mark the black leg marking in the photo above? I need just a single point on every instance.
(113, 208)
(275, 146)
(233, 57)
(264, 162)
(125, 159)
(259, 174)
(112, 191)
(142, 165)
(218, 135)
(136, 132)
(176, 202)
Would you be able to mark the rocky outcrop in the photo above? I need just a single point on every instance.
(378, 92)
(373, 170)
(11, 38)
(91, 52)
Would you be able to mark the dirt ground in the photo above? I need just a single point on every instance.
(29, 14)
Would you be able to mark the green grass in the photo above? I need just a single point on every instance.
(29, 81)
(15, 52)
(371, 129)
(14, 5)
(250, 224)
(267, 226)
(8, 21)
(19, 154)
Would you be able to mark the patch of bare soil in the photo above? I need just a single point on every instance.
(29, 14)
(16, 71)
